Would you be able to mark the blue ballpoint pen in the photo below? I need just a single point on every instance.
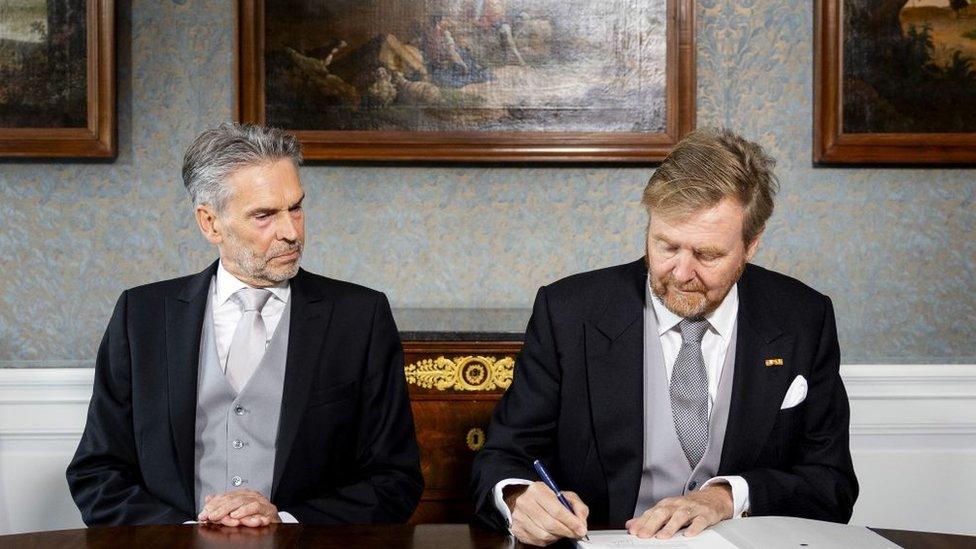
(547, 479)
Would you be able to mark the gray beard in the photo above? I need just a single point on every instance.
(256, 268)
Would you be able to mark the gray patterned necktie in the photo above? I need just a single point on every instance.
(689, 391)
(250, 338)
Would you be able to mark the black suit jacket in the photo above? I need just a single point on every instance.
(576, 401)
(346, 448)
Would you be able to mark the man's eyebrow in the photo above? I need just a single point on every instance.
(709, 250)
(268, 211)
(661, 238)
(259, 211)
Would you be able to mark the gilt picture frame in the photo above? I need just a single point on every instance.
(471, 80)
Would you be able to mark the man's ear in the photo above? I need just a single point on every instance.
(754, 245)
(209, 223)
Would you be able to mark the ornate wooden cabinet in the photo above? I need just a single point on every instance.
(455, 377)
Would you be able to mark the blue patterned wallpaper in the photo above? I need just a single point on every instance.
(894, 248)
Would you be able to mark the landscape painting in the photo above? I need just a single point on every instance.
(469, 70)
(57, 79)
(909, 66)
(43, 69)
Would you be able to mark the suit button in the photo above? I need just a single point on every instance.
(239, 410)
(692, 485)
(238, 444)
(237, 481)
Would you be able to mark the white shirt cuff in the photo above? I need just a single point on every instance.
(500, 498)
(287, 518)
(740, 493)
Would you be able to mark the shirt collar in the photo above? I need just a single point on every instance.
(227, 285)
(721, 320)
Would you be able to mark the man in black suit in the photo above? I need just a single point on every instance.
(252, 392)
(679, 390)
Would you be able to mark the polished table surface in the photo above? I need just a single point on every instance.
(458, 536)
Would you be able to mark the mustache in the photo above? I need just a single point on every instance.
(284, 249)
(693, 286)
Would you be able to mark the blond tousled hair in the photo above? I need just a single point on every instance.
(707, 166)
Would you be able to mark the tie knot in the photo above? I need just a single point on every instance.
(253, 299)
(692, 331)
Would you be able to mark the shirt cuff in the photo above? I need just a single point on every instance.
(287, 518)
(500, 498)
(740, 493)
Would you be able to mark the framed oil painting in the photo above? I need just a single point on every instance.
(471, 80)
(895, 81)
(57, 78)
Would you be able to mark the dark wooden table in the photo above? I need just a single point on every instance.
(459, 536)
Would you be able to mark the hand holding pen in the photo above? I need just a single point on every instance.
(541, 513)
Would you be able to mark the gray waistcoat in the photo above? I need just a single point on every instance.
(236, 433)
(666, 471)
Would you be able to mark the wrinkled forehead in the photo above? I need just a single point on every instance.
(276, 181)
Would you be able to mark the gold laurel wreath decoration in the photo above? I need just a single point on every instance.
(465, 373)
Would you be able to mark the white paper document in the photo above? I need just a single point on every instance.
(754, 533)
(708, 539)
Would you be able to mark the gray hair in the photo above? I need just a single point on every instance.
(219, 152)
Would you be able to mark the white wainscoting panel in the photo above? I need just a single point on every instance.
(913, 437)
(42, 414)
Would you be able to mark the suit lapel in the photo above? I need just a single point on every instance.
(184, 314)
(310, 315)
(615, 373)
(753, 406)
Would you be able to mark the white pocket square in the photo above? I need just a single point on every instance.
(796, 393)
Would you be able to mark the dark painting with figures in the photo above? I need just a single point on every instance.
(909, 66)
(466, 65)
(43, 64)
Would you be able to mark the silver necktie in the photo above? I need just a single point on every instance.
(250, 337)
(689, 391)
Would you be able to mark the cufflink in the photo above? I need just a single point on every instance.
(774, 362)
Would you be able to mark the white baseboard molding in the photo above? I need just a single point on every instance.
(913, 438)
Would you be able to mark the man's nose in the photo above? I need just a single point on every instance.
(287, 228)
(684, 268)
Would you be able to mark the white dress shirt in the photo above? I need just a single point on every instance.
(227, 312)
(715, 345)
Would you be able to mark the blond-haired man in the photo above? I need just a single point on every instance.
(679, 390)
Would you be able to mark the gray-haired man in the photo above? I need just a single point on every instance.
(252, 392)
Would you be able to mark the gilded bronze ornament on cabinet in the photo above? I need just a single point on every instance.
(475, 439)
(465, 373)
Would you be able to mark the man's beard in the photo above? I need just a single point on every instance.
(694, 304)
(256, 267)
